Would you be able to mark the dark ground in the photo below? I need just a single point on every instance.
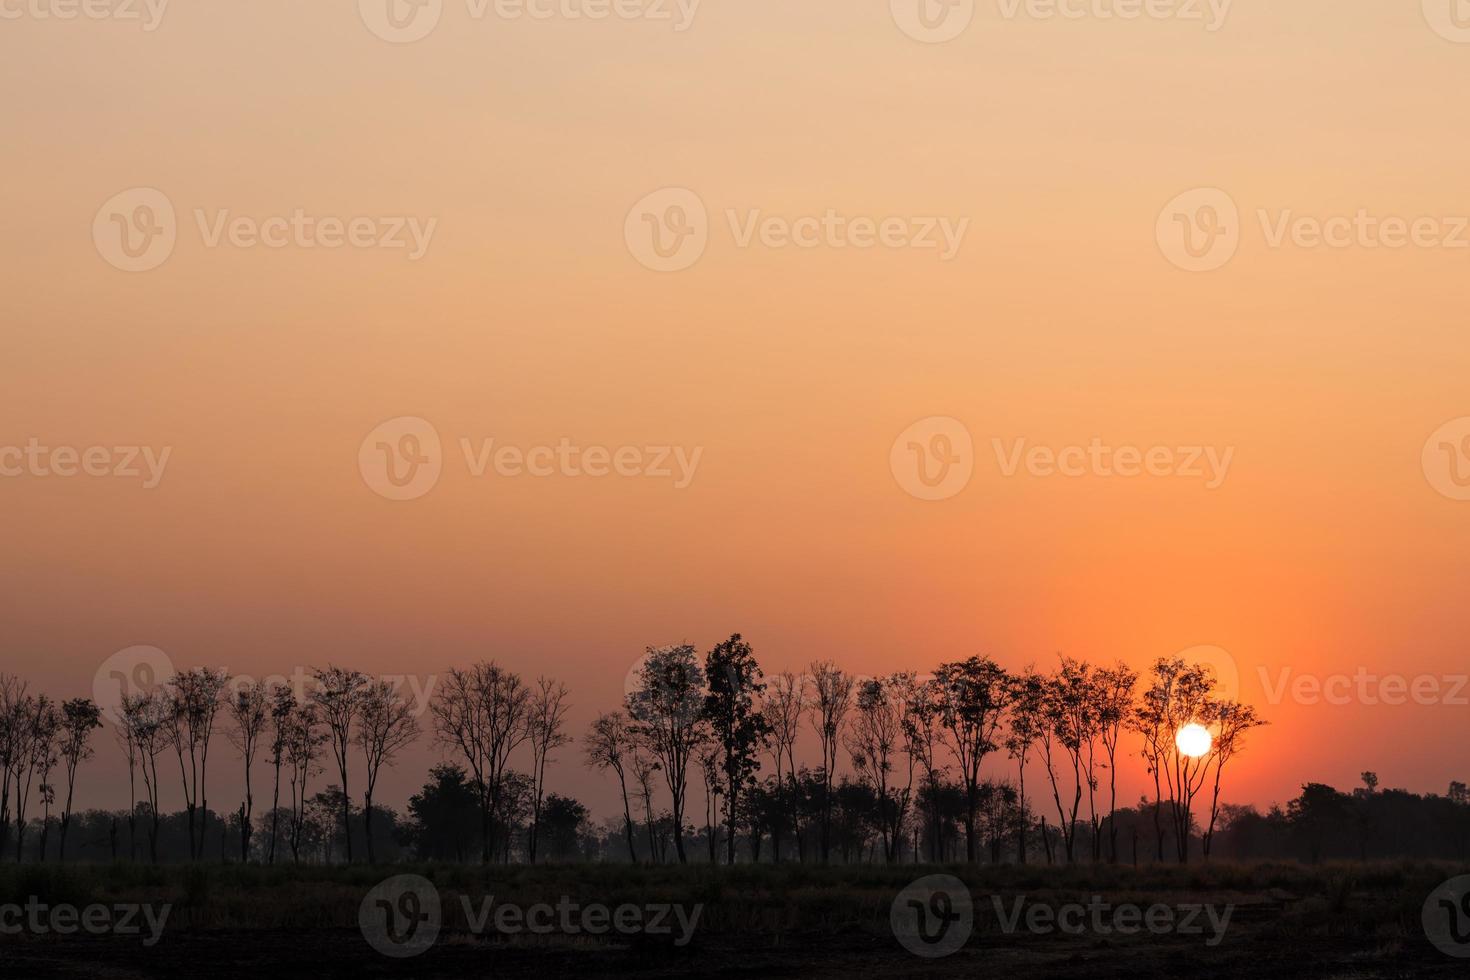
(1338, 921)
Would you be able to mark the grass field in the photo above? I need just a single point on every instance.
(1269, 920)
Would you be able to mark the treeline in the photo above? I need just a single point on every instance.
(905, 767)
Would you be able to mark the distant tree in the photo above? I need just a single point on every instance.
(609, 745)
(707, 755)
(1070, 721)
(47, 754)
(249, 712)
(740, 731)
(35, 722)
(1231, 721)
(924, 734)
(444, 815)
(79, 717)
(644, 765)
(282, 717)
(878, 745)
(1114, 708)
(783, 706)
(194, 699)
(973, 695)
(385, 726)
(563, 821)
(1179, 694)
(13, 718)
(830, 700)
(337, 696)
(305, 737)
(482, 713)
(145, 718)
(1027, 716)
(667, 707)
(546, 723)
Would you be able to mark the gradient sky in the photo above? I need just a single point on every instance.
(1325, 550)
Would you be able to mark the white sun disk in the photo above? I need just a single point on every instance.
(1194, 740)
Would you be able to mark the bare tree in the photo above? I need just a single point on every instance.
(386, 726)
(783, 706)
(924, 736)
(1027, 727)
(545, 730)
(609, 745)
(337, 695)
(249, 713)
(482, 713)
(972, 700)
(13, 719)
(876, 738)
(644, 763)
(1114, 707)
(305, 736)
(145, 717)
(1178, 696)
(282, 712)
(830, 700)
(47, 753)
(79, 717)
(1232, 720)
(194, 699)
(1070, 719)
(33, 714)
(667, 708)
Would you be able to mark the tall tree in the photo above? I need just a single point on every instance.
(249, 713)
(146, 719)
(831, 698)
(79, 717)
(1114, 707)
(783, 706)
(47, 754)
(34, 716)
(1179, 695)
(875, 741)
(194, 699)
(386, 725)
(305, 736)
(972, 698)
(608, 745)
(1070, 723)
(739, 730)
(282, 714)
(545, 722)
(667, 708)
(1027, 727)
(482, 713)
(13, 734)
(1231, 721)
(337, 695)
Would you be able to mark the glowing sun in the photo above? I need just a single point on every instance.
(1194, 740)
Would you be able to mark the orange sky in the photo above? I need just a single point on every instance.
(527, 320)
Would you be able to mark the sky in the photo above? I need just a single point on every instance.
(899, 338)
